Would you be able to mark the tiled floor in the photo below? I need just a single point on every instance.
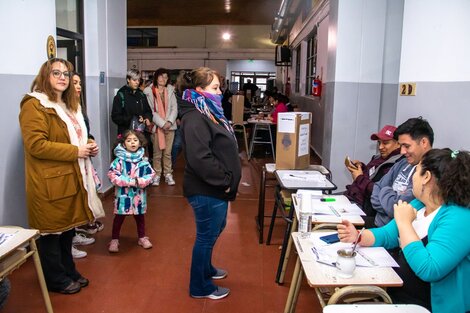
(156, 280)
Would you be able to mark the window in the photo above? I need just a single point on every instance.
(69, 19)
(142, 37)
(297, 69)
(311, 62)
(260, 79)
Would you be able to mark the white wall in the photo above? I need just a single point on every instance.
(356, 52)
(105, 51)
(210, 36)
(190, 58)
(18, 20)
(435, 55)
(23, 51)
(250, 65)
(436, 41)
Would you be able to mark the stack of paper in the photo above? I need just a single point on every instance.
(335, 205)
(366, 256)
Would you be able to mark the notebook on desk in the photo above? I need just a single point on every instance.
(297, 179)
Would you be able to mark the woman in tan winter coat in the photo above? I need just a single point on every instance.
(60, 190)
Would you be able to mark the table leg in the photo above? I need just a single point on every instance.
(246, 142)
(272, 142)
(42, 281)
(253, 136)
(288, 249)
(293, 292)
(297, 289)
(261, 199)
(284, 245)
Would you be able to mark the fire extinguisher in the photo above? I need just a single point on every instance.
(316, 87)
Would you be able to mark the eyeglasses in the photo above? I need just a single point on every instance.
(57, 74)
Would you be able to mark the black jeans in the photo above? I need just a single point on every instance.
(57, 263)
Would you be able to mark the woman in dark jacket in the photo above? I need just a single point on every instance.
(212, 172)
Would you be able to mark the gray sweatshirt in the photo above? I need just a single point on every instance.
(396, 185)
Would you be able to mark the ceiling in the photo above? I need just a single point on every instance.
(201, 12)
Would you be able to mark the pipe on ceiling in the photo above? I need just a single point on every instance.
(279, 22)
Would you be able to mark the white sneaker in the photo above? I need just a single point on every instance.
(156, 181)
(169, 179)
(82, 240)
(78, 254)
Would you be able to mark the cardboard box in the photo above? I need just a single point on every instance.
(293, 140)
(237, 109)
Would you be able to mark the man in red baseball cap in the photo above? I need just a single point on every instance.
(364, 176)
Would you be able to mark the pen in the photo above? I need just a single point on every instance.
(334, 211)
(369, 260)
(297, 176)
(327, 199)
(298, 243)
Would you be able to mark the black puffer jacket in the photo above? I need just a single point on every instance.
(211, 153)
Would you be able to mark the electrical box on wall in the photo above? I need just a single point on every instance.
(407, 89)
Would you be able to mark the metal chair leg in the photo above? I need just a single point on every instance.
(261, 199)
(271, 225)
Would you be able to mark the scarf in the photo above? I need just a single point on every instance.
(162, 106)
(209, 105)
(85, 165)
(133, 157)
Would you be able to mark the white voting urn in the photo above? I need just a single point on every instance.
(346, 263)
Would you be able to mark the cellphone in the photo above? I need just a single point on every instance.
(348, 162)
(330, 238)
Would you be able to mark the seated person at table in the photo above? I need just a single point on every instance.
(415, 137)
(279, 107)
(434, 257)
(364, 176)
(284, 99)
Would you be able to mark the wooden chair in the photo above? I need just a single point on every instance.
(360, 294)
(237, 118)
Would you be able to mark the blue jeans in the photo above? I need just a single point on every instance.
(211, 216)
(177, 145)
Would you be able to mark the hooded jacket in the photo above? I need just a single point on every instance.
(211, 153)
(123, 173)
(56, 194)
(361, 188)
(396, 185)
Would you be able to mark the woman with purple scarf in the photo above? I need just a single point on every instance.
(212, 172)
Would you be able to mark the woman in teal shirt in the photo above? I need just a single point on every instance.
(434, 240)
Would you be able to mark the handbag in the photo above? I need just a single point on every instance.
(137, 125)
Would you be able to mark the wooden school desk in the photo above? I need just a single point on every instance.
(13, 254)
(323, 276)
(290, 180)
(357, 220)
(373, 308)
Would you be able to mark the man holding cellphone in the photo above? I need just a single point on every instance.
(364, 176)
(415, 137)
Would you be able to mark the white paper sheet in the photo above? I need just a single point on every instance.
(286, 123)
(4, 237)
(366, 256)
(304, 139)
